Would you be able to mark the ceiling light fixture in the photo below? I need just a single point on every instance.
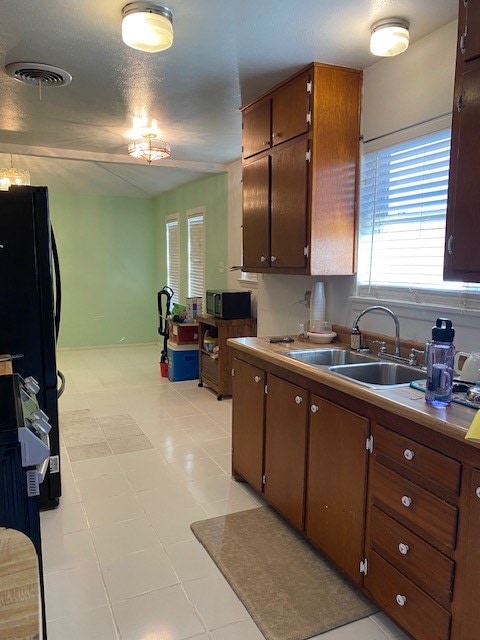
(12, 176)
(389, 36)
(149, 148)
(147, 26)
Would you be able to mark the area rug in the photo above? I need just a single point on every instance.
(291, 591)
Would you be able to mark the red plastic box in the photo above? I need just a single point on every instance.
(183, 333)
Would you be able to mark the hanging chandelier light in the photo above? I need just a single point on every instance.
(12, 176)
(147, 26)
(149, 148)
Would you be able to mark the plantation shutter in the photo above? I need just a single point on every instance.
(196, 255)
(402, 214)
(173, 257)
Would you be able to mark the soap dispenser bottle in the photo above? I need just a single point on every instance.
(439, 358)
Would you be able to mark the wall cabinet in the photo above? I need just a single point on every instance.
(462, 259)
(300, 170)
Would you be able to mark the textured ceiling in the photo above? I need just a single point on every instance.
(225, 53)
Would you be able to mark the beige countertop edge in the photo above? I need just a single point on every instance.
(453, 421)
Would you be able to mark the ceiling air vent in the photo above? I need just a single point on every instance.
(38, 74)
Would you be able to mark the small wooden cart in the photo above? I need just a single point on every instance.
(215, 369)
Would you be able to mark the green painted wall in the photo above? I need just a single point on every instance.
(212, 193)
(107, 257)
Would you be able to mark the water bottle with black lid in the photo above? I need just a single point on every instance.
(439, 358)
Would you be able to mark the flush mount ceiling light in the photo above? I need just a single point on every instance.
(147, 26)
(149, 148)
(12, 176)
(389, 36)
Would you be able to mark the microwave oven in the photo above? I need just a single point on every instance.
(228, 304)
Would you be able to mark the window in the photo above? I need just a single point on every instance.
(403, 198)
(196, 252)
(173, 256)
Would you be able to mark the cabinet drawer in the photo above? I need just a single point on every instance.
(408, 605)
(430, 464)
(209, 368)
(434, 516)
(423, 564)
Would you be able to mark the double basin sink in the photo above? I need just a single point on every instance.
(365, 369)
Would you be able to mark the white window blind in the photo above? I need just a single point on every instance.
(403, 199)
(173, 256)
(196, 254)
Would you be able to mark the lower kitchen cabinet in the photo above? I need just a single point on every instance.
(248, 416)
(336, 484)
(285, 448)
(400, 517)
(466, 621)
(412, 533)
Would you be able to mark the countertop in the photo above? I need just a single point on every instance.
(452, 421)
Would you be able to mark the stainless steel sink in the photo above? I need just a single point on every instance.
(332, 356)
(379, 374)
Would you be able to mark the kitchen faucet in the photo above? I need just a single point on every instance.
(396, 351)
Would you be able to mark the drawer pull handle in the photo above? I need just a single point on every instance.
(257, 378)
(406, 501)
(314, 408)
(403, 548)
(477, 492)
(409, 454)
(401, 600)
(298, 399)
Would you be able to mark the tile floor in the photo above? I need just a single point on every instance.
(142, 458)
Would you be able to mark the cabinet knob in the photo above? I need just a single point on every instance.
(257, 378)
(406, 501)
(266, 142)
(314, 408)
(263, 259)
(401, 600)
(403, 548)
(409, 454)
(477, 492)
(298, 399)
(273, 258)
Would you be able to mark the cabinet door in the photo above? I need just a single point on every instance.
(256, 129)
(472, 31)
(248, 417)
(466, 619)
(285, 448)
(256, 213)
(462, 258)
(336, 484)
(289, 206)
(290, 106)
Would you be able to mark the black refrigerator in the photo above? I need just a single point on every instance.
(30, 307)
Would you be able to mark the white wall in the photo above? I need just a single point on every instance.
(398, 92)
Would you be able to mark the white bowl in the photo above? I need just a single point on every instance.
(321, 338)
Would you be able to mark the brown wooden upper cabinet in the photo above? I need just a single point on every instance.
(462, 258)
(300, 173)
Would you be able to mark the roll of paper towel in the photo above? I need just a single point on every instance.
(317, 304)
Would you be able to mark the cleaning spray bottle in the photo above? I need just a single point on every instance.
(439, 358)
